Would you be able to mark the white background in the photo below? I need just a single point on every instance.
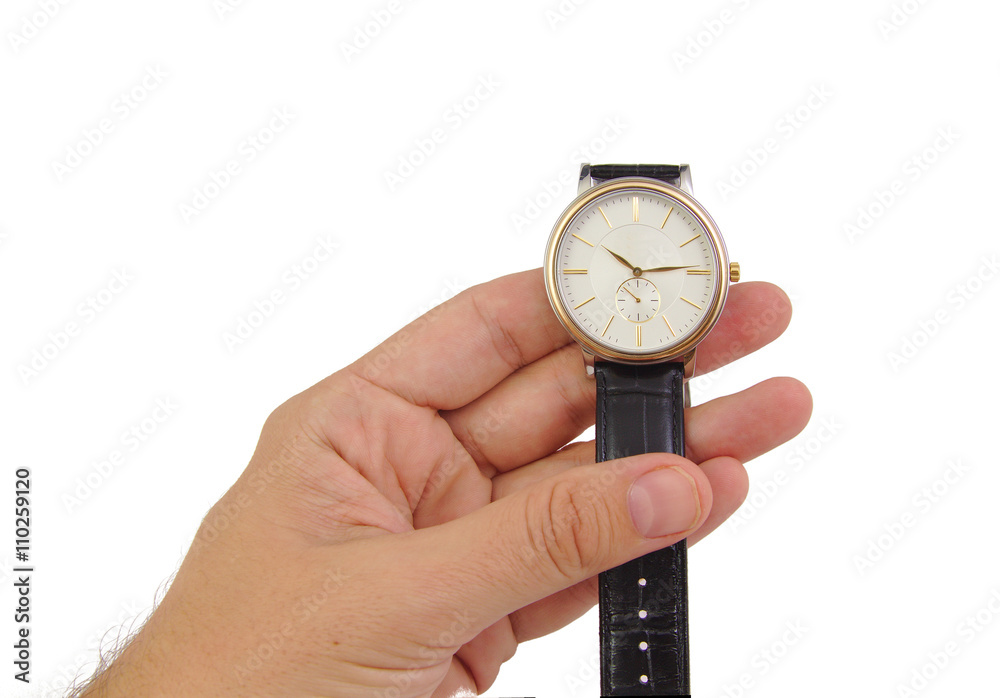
(682, 82)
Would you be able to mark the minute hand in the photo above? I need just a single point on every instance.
(689, 266)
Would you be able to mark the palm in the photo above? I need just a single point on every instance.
(424, 430)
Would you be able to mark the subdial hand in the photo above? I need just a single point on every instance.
(630, 293)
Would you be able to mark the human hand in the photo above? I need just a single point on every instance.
(404, 523)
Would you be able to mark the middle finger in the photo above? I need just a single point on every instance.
(741, 426)
(551, 401)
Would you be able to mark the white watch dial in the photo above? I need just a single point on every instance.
(636, 271)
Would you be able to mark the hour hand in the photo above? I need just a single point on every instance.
(621, 259)
(689, 266)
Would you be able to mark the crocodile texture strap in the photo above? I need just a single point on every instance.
(643, 603)
(667, 173)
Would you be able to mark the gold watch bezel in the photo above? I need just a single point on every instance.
(720, 254)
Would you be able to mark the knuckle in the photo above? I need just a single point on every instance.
(303, 413)
(283, 416)
(570, 531)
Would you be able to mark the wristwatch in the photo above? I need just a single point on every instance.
(637, 272)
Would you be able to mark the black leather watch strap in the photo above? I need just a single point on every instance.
(643, 603)
(667, 173)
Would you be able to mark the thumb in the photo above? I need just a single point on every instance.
(561, 531)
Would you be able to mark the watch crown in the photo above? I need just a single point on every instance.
(734, 271)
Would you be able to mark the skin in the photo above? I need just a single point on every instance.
(406, 522)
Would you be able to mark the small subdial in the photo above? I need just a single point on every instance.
(637, 300)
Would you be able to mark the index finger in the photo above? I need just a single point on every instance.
(453, 354)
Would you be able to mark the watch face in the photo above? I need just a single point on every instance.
(637, 271)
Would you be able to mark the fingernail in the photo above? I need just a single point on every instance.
(664, 501)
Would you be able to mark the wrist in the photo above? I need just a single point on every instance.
(155, 664)
(130, 673)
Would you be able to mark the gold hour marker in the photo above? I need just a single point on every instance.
(635, 209)
(605, 217)
(692, 239)
(665, 220)
(607, 326)
(668, 325)
(582, 240)
(699, 272)
(584, 303)
(574, 271)
(638, 335)
(691, 302)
